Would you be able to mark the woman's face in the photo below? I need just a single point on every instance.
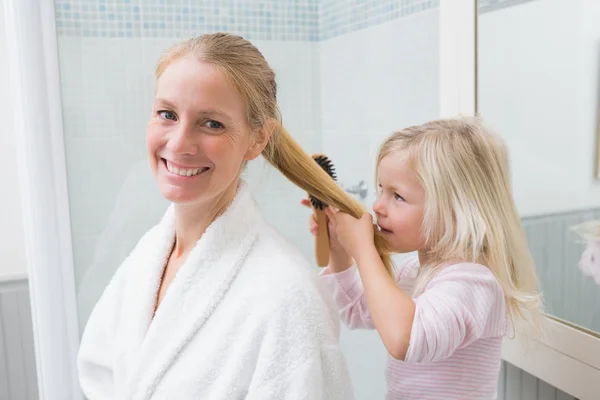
(198, 138)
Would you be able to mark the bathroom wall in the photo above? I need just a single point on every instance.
(12, 252)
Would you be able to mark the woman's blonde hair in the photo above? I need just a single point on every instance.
(254, 79)
(470, 214)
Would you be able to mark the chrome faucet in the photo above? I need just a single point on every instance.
(360, 190)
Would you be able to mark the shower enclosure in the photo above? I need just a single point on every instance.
(349, 73)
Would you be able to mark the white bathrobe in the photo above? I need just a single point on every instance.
(245, 318)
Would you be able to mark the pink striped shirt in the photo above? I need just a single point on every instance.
(456, 336)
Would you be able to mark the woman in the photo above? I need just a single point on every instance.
(213, 303)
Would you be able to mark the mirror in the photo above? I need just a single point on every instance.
(538, 69)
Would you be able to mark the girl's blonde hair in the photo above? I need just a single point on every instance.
(470, 214)
(254, 79)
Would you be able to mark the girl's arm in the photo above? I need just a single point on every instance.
(342, 280)
(349, 295)
(392, 311)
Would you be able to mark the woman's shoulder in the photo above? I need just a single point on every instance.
(278, 261)
(272, 247)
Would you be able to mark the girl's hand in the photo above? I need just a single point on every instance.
(353, 234)
(334, 244)
(339, 259)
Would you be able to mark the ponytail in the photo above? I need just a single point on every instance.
(285, 154)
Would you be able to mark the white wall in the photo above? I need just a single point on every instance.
(538, 87)
(375, 81)
(12, 253)
(107, 89)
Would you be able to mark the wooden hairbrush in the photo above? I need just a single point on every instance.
(322, 236)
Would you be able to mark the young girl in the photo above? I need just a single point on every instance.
(444, 192)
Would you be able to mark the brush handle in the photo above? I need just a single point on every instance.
(322, 239)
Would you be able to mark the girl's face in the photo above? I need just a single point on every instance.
(400, 207)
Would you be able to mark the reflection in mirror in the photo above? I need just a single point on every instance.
(538, 86)
(538, 70)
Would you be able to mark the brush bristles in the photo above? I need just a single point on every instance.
(327, 166)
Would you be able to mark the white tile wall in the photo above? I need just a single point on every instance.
(373, 82)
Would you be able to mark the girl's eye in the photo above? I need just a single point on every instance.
(212, 124)
(167, 115)
(398, 197)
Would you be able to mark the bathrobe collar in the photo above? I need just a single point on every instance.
(151, 345)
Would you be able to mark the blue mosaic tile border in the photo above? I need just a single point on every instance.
(337, 17)
(303, 20)
(267, 19)
(493, 5)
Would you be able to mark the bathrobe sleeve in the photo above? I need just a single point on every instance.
(96, 356)
(300, 357)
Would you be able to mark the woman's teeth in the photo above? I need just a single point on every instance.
(183, 171)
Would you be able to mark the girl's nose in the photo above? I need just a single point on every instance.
(379, 207)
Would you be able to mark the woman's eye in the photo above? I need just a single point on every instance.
(212, 124)
(167, 115)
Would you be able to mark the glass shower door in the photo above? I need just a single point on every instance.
(349, 74)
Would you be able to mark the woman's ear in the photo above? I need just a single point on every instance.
(260, 138)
